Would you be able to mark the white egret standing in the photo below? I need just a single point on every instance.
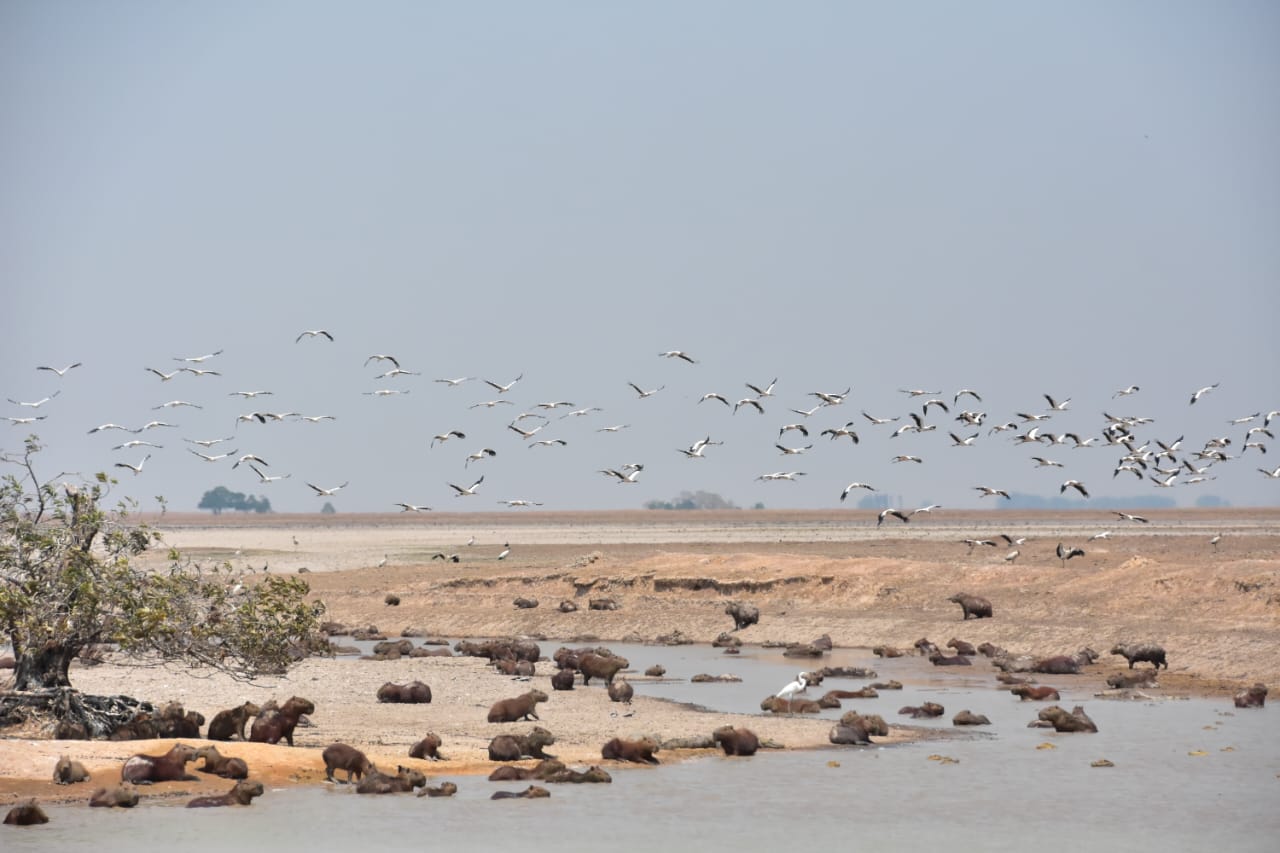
(800, 685)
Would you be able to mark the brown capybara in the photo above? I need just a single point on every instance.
(939, 659)
(68, 772)
(926, 646)
(602, 604)
(974, 606)
(517, 708)
(639, 751)
(229, 724)
(968, 718)
(887, 652)
(1134, 678)
(990, 650)
(873, 723)
(594, 773)
(928, 709)
(567, 606)
(427, 748)
(115, 796)
(1065, 664)
(779, 705)
(592, 665)
(141, 727)
(510, 773)
(744, 615)
(533, 792)
(1043, 693)
(341, 756)
(404, 780)
(523, 603)
(962, 647)
(444, 789)
(656, 671)
(1254, 697)
(170, 767)
(26, 814)
(226, 766)
(276, 724)
(736, 741)
(1141, 652)
(620, 691)
(516, 747)
(241, 794)
(176, 722)
(1075, 721)
(415, 692)
(562, 679)
(850, 735)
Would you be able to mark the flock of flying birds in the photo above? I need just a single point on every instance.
(1162, 462)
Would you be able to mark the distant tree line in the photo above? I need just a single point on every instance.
(693, 500)
(220, 498)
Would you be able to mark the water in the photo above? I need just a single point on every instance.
(1003, 794)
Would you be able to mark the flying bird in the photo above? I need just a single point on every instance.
(988, 492)
(479, 454)
(164, 377)
(1056, 406)
(1125, 392)
(548, 442)
(519, 502)
(1127, 517)
(898, 514)
(208, 458)
(1073, 484)
(842, 432)
(249, 458)
(407, 507)
(905, 458)
(1102, 534)
(675, 353)
(385, 392)
(489, 404)
(263, 478)
(782, 475)
(173, 404)
(445, 436)
(849, 488)
(199, 358)
(327, 493)
(195, 371)
(207, 442)
(957, 441)
(747, 401)
(831, 399)
(801, 428)
(767, 391)
(643, 393)
(917, 392)
(712, 395)
(502, 389)
(614, 428)
(311, 333)
(470, 490)
(136, 469)
(62, 372)
(30, 420)
(623, 478)
(1274, 475)
(454, 383)
(396, 371)
(249, 394)
(876, 420)
(525, 433)
(1205, 390)
(1041, 462)
(382, 357)
(38, 403)
(1065, 553)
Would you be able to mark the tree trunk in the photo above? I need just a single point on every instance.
(45, 667)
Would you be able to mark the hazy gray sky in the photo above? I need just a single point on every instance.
(1022, 199)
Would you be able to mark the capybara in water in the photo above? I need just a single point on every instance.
(1076, 721)
(926, 646)
(989, 650)
(1135, 652)
(594, 773)
(1254, 697)
(887, 652)
(639, 751)
(968, 718)
(852, 735)
(415, 692)
(873, 723)
(115, 796)
(544, 768)
(341, 756)
(592, 665)
(961, 647)
(276, 724)
(620, 691)
(939, 659)
(229, 724)
(516, 747)
(68, 772)
(1065, 664)
(241, 794)
(427, 748)
(444, 789)
(736, 741)
(744, 615)
(562, 679)
(533, 792)
(656, 671)
(226, 766)
(1035, 694)
(26, 814)
(517, 708)
(973, 605)
(928, 709)
(377, 782)
(170, 767)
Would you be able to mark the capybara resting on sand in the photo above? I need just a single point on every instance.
(68, 772)
(115, 796)
(170, 767)
(241, 794)
(218, 764)
(427, 748)
(516, 747)
(517, 708)
(639, 751)
(415, 692)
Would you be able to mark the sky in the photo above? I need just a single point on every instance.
(1019, 199)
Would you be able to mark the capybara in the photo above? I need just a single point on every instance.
(516, 747)
(602, 604)
(779, 705)
(229, 724)
(525, 603)
(873, 723)
(377, 782)
(928, 709)
(736, 741)
(276, 724)
(594, 773)
(567, 606)
(592, 665)
(26, 814)
(1254, 697)
(1135, 678)
(968, 718)
(68, 772)
(887, 652)
(115, 796)
(1036, 694)
(852, 735)
(990, 650)
(656, 671)
(415, 692)
(228, 767)
(170, 767)
(517, 708)
(1076, 721)
(1065, 664)
(620, 691)
(973, 605)
(961, 647)
(427, 748)
(939, 659)
(533, 792)
(341, 756)
(444, 789)
(510, 773)
(141, 727)
(241, 794)
(562, 679)
(1135, 652)
(639, 751)
(743, 614)
(175, 722)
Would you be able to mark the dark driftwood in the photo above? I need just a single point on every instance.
(69, 713)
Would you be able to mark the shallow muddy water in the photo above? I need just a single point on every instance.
(1189, 775)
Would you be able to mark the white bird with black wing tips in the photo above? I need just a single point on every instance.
(311, 333)
(470, 490)
(328, 493)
